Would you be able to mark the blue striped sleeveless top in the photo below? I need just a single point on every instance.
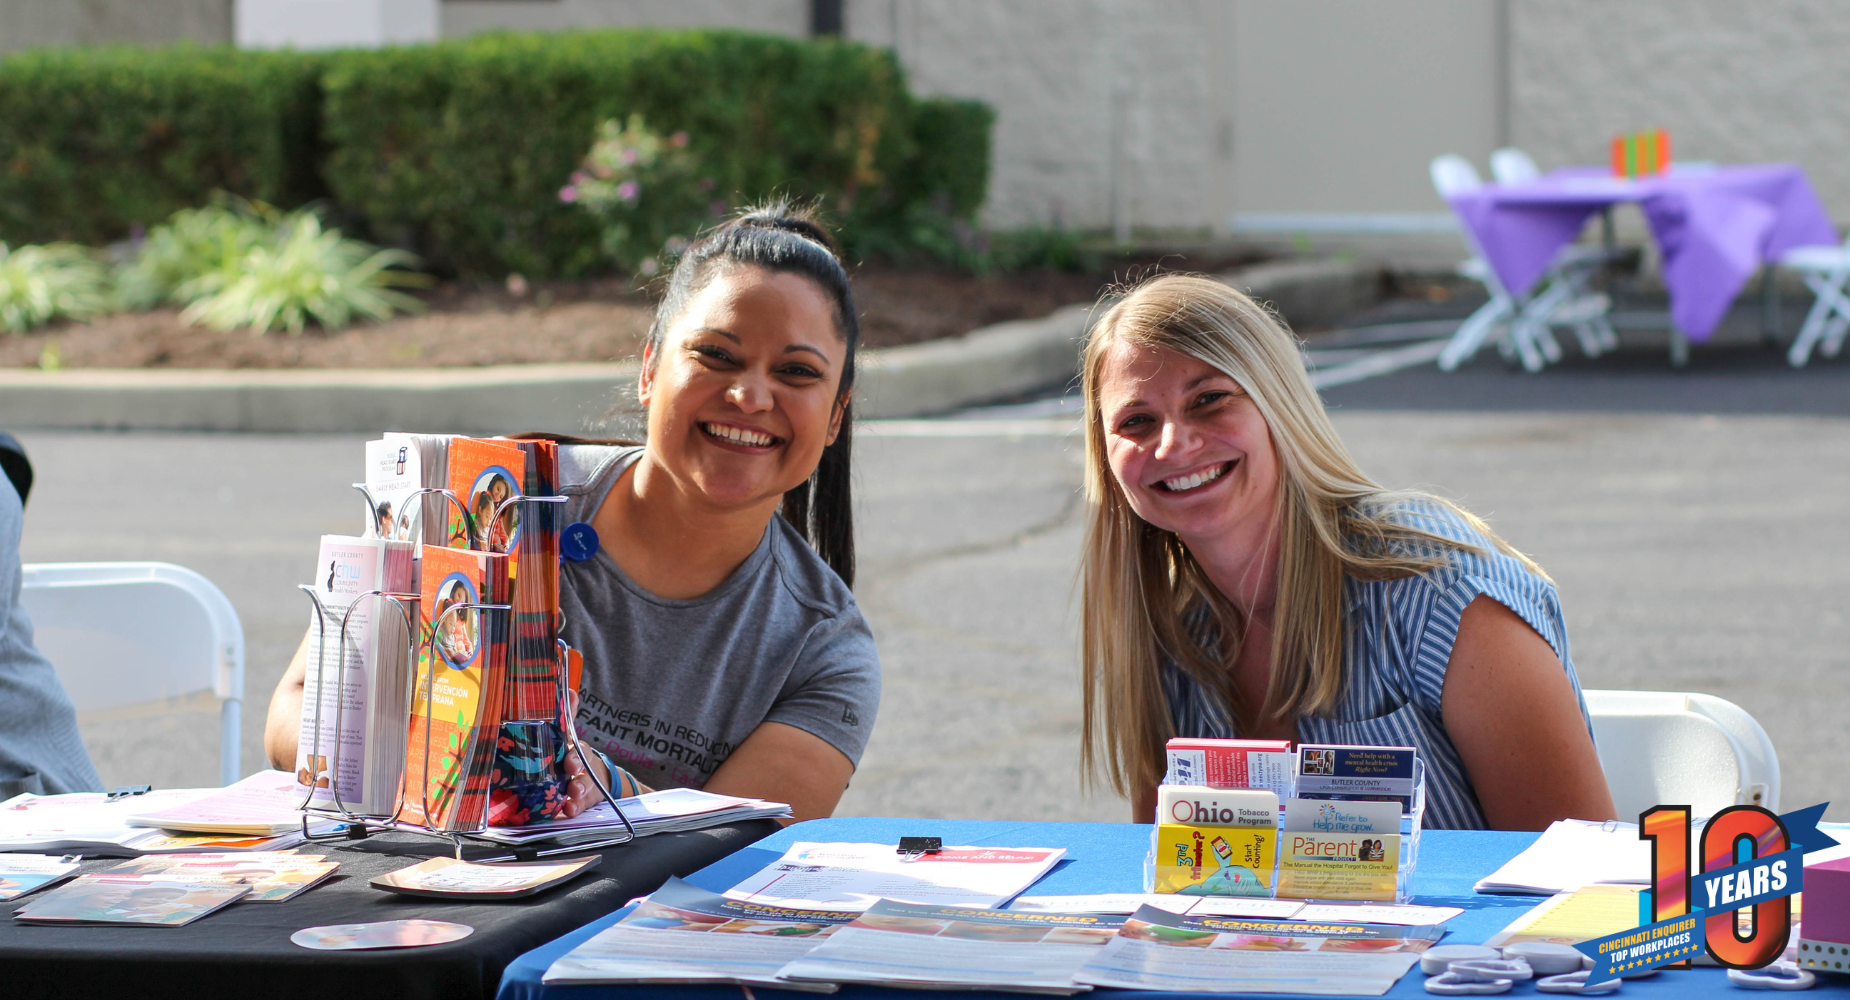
(1397, 643)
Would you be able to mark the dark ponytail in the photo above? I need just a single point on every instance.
(784, 239)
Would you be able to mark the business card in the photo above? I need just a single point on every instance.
(1356, 773)
(1338, 866)
(1215, 860)
(1198, 805)
(1342, 816)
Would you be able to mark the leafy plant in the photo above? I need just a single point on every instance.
(192, 243)
(645, 190)
(41, 283)
(310, 272)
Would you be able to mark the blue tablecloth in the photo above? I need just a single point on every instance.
(1107, 857)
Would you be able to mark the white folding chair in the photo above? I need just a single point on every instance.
(1673, 748)
(1452, 175)
(1826, 270)
(128, 633)
(1510, 165)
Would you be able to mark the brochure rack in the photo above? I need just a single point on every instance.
(1410, 821)
(360, 824)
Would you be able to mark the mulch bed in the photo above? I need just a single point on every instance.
(602, 320)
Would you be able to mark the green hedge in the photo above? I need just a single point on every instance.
(457, 150)
(94, 140)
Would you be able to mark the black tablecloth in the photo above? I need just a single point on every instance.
(244, 950)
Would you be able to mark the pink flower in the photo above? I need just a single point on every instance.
(628, 190)
(678, 139)
(568, 194)
(631, 155)
(579, 177)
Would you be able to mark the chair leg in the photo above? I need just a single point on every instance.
(1589, 340)
(1834, 336)
(1471, 333)
(1679, 349)
(1813, 329)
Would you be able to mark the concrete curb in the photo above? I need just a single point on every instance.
(989, 365)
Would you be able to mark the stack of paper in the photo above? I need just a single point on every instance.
(1572, 853)
(682, 934)
(672, 810)
(938, 947)
(83, 822)
(855, 876)
(263, 805)
(1157, 950)
(273, 876)
(141, 900)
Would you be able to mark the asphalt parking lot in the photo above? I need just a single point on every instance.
(1694, 520)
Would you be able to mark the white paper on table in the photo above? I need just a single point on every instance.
(853, 876)
(1572, 853)
(1368, 913)
(1236, 906)
(1105, 902)
(1129, 963)
(269, 799)
(28, 820)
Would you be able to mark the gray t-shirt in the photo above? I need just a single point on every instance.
(40, 749)
(672, 687)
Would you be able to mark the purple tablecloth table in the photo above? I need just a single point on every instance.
(1714, 227)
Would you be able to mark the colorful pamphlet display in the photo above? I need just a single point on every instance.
(458, 722)
(1348, 829)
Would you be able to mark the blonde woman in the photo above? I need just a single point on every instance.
(1242, 577)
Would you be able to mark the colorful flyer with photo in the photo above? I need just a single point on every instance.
(1353, 772)
(1215, 860)
(1338, 866)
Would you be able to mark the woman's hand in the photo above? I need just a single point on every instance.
(581, 792)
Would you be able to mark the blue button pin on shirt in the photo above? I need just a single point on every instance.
(578, 541)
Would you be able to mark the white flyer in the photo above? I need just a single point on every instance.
(853, 876)
(1110, 902)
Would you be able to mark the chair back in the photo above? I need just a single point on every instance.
(1673, 748)
(129, 633)
(1510, 165)
(1453, 174)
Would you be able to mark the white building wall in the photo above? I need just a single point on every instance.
(1106, 110)
(330, 24)
(1733, 82)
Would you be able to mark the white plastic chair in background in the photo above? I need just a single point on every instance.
(128, 633)
(1510, 165)
(1453, 175)
(1672, 748)
(1826, 271)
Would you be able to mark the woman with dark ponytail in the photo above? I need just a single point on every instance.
(723, 647)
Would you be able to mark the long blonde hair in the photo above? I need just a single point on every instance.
(1138, 581)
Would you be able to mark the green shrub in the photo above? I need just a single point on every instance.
(301, 271)
(645, 190)
(460, 148)
(41, 283)
(193, 243)
(93, 141)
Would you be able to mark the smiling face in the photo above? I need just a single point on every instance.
(743, 395)
(1187, 445)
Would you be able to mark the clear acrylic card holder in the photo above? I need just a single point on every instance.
(359, 823)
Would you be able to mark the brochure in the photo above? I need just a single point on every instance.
(265, 804)
(394, 471)
(854, 876)
(456, 706)
(671, 810)
(1266, 764)
(483, 473)
(448, 878)
(140, 901)
(1156, 950)
(348, 749)
(1356, 772)
(921, 946)
(1215, 860)
(1338, 865)
(24, 873)
(273, 877)
(1573, 853)
(683, 934)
